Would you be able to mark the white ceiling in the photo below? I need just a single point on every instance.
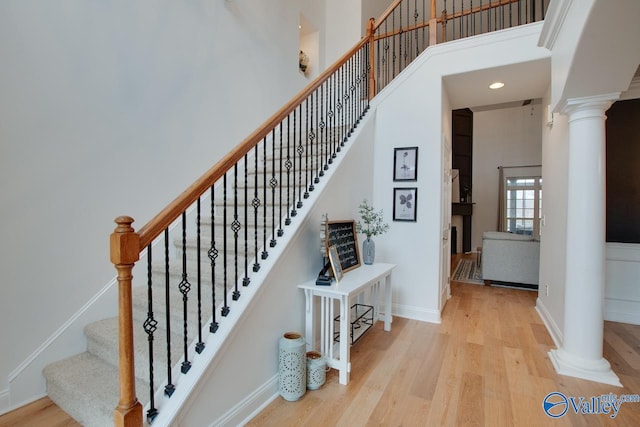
(522, 81)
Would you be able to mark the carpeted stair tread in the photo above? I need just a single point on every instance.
(102, 341)
(87, 388)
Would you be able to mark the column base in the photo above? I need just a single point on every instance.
(592, 370)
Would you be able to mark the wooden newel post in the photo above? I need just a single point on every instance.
(125, 251)
(433, 25)
(372, 75)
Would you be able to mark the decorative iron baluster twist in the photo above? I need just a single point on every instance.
(300, 151)
(150, 326)
(280, 229)
(322, 125)
(200, 344)
(235, 228)
(314, 137)
(246, 280)
(256, 204)
(273, 182)
(225, 251)
(288, 165)
(169, 388)
(264, 254)
(184, 287)
(213, 253)
(307, 169)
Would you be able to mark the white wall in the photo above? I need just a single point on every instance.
(113, 108)
(342, 32)
(505, 137)
(622, 290)
(553, 243)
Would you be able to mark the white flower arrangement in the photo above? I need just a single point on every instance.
(371, 222)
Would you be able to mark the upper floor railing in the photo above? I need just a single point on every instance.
(202, 249)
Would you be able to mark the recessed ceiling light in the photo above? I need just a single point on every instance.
(496, 85)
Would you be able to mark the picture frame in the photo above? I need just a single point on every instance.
(405, 204)
(405, 164)
(334, 259)
(344, 236)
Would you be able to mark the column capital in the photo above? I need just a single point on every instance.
(589, 105)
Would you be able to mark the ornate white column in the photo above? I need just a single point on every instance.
(581, 352)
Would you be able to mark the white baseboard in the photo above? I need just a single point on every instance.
(417, 313)
(5, 401)
(250, 406)
(549, 323)
(623, 311)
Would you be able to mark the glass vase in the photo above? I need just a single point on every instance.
(368, 251)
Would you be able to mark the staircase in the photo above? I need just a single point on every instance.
(86, 385)
(250, 209)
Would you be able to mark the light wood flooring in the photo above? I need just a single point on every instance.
(486, 364)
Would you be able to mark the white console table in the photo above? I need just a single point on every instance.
(374, 278)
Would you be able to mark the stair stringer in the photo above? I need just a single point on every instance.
(303, 232)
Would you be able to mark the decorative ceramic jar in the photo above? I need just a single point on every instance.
(316, 370)
(292, 366)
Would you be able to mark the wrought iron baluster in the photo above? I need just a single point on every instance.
(225, 252)
(200, 343)
(295, 148)
(300, 151)
(273, 183)
(453, 21)
(184, 287)
(394, 39)
(307, 168)
(520, 12)
(406, 38)
(322, 125)
(416, 15)
(352, 95)
(400, 36)
(169, 388)
(150, 326)
(340, 112)
(332, 118)
(533, 11)
(312, 141)
(256, 204)
(280, 229)
(288, 166)
(235, 228)
(265, 206)
(213, 255)
(246, 280)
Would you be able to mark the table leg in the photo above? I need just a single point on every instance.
(310, 333)
(345, 338)
(387, 303)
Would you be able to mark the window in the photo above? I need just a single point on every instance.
(523, 205)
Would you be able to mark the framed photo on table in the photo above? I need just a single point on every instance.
(405, 164)
(334, 259)
(405, 203)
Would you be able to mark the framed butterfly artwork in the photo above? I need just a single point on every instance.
(405, 203)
